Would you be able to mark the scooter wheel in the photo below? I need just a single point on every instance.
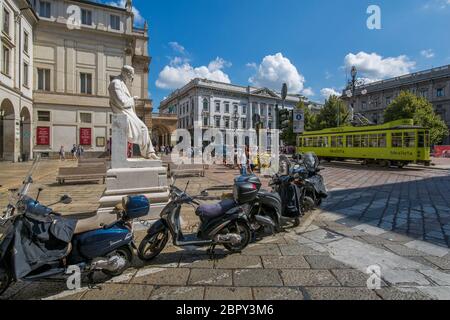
(5, 280)
(244, 231)
(125, 253)
(152, 245)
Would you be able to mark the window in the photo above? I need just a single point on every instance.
(424, 93)
(382, 143)
(336, 142)
(244, 109)
(424, 139)
(236, 108)
(44, 9)
(85, 117)
(217, 106)
(26, 74)
(397, 140)
(409, 139)
(388, 101)
(357, 141)
(217, 120)
(373, 141)
(205, 121)
(5, 61)
(363, 105)
(244, 124)
(205, 105)
(25, 42)
(44, 79)
(86, 17)
(440, 92)
(6, 21)
(227, 123)
(349, 141)
(365, 141)
(43, 116)
(86, 83)
(236, 124)
(227, 107)
(115, 22)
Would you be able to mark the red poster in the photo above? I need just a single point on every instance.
(85, 136)
(43, 136)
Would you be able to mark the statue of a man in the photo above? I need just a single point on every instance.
(122, 102)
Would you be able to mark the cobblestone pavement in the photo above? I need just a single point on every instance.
(396, 220)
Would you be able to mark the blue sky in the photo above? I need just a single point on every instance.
(310, 44)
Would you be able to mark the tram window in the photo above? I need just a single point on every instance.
(333, 142)
(340, 142)
(397, 140)
(357, 141)
(409, 140)
(349, 141)
(373, 141)
(365, 141)
(315, 142)
(427, 139)
(325, 142)
(382, 140)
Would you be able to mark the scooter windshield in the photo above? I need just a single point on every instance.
(310, 161)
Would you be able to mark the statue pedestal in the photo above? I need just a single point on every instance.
(128, 177)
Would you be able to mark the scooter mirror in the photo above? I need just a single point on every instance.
(65, 199)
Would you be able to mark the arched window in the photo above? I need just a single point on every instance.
(205, 105)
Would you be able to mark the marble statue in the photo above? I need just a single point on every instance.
(122, 102)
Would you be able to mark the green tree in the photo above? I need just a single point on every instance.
(410, 106)
(328, 115)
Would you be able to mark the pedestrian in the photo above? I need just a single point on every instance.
(167, 150)
(79, 152)
(62, 154)
(74, 152)
(242, 161)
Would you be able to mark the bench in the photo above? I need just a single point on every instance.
(88, 173)
(186, 169)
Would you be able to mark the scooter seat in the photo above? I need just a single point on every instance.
(94, 223)
(213, 211)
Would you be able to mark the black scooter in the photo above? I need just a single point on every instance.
(224, 223)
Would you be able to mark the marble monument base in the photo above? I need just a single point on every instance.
(128, 177)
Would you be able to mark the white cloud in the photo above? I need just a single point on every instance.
(252, 65)
(179, 73)
(274, 70)
(437, 4)
(374, 67)
(327, 92)
(429, 53)
(177, 47)
(309, 92)
(138, 18)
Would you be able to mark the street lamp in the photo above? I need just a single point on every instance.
(351, 92)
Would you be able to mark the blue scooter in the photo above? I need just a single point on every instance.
(37, 243)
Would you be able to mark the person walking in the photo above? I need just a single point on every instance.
(74, 152)
(62, 154)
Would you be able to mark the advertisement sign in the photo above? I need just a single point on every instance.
(85, 136)
(299, 121)
(43, 136)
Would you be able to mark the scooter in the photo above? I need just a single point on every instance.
(224, 223)
(68, 242)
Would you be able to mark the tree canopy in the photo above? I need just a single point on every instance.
(410, 106)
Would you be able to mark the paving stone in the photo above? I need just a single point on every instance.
(285, 262)
(277, 294)
(351, 277)
(442, 263)
(262, 250)
(210, 277)
(322, 236)
(257, 278)
(428, 248)
(163, 277)
(404, 251)
(38, 290)
(308, 278)
(346, 294)
(177, 293)
(119, 292)
(406, 294)
(298, 250)
(239, 262)
(196, 261)
(324, 262)
(224, 293)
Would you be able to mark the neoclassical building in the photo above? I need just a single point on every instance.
(210, 104)
(79, 47)
(16, 79)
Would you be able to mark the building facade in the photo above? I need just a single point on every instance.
(209, 104)
(79, 47)
(372, 100)
(16, 79)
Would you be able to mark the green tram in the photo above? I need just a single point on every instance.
(396, 143)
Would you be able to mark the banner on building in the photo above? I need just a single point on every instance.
(85, 136)
(299, 121)
(43, 136)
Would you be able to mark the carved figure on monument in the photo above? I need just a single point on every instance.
(122, 102)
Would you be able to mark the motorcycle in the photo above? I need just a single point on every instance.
(224, 223)
(39, 243)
